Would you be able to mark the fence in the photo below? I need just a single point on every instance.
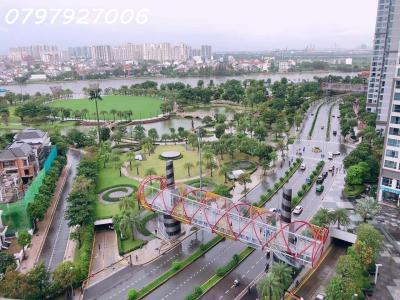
(14, 214)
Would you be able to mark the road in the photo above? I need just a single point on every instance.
(255, 263)
(56, 241)
(118, 284)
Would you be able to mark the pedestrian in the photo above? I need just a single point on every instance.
(289, 163)
(304, 149)
(99, 247)
(155, 230)
(137, 258)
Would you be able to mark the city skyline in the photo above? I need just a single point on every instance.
(243, 29)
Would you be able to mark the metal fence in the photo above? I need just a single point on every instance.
(14, 214)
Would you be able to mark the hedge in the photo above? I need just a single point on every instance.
(307, 186)
(84, 254)
(176, 267)
(141, 227)
(279, 184)
(328, 127)
(314, 121)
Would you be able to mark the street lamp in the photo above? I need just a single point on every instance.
(376, 271)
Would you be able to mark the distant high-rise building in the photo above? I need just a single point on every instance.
(206, 51)
(101, 53)
(31, 52)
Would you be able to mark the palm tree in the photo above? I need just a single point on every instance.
(131, 157)
(136, 164)
(283, 273)
(81, 184)
(103, 112)
(147, 145)
(113, 112)
(128, 223)
(165, 137)
(126, 204)
(269, 288)
(340, 216)
(280, 145)
(94, 95)
(225, 170)
(85, 111)
(244, 179)
(265, 165)
(211, 165)
(150, 171)
(188, 165)
(367, 207)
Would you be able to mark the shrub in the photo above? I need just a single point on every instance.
(287, 172)
(304, 187)
(195, 294)
(176, 265)
(269, 191)
(203, 247)
(133, 294)
(276, 185)
(300, 193)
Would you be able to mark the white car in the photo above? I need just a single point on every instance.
(303, 167)
(298, 210)
(320, 296)
(336, 153)
(330, 155)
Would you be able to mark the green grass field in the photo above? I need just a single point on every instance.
(141, 107)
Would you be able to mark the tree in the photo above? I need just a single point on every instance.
(265, 165)
(225, 170)
(94, 95)
(38, 279)
(126, 204)
(6, 261)
(15, 285)
(367, 207)
(165, 137)
(188, 165)
(269, 288)
(147, 146)
(65, 275)
(113, 112)
(371, 237)
(24, 239)
(128, 223)
(283, 273)
(244, 179)
(136, 164)
(356, 174)
(153, 134)
(219, 130)
(150, 171)
(341, 216)
(139, 133)
(211, 165)
(322, 218)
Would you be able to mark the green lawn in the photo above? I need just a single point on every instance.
(153, 161)
(142, 107)
(129, 245)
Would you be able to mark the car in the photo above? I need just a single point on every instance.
(338, 117)
(275, 210)
(319, 188)
(333, 116)
(320, 179)
(336, 153)
(312, 114)
(308, 180)
(320, 296)
(298, 210)
(322, 127)
(236, 282)
(334, 132)
(303, 167)
(325, 174)
(330, 169)
(330, 155)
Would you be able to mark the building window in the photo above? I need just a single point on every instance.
(397, 95)
(395, 120)
(390, 197)
(397, 84)
(394, 131)
(9, 163)
(390, 164)
(392, 153)
(398, 184)
(393, 143)
(387, 181)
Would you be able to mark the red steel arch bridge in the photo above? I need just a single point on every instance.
(257, 227)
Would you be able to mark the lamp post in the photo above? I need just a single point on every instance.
(376, 271)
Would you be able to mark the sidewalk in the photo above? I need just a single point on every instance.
(33, 252)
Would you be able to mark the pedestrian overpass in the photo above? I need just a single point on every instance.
(259, 228)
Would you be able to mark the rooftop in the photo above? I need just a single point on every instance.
(15, 150)
(29, 133)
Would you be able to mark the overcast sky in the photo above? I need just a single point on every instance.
(225, 24)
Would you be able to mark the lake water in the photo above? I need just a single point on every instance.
(77, 86)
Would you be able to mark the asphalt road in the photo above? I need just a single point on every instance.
(118, 284)
(56, 241)
(255, 263)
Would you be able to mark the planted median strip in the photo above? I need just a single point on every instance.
(328, 127)
(176, 267)
(314, 121)
(220, 274)
(280, 183)
(305, 188)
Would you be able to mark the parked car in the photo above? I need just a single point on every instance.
(303, 167)
(320, 296)
(330, 169)
(336, 153)
(236, 282)
(325, 174)
(330, 155)
(298, 210)
(322, 127)
(334, 132)
(319, 188)
(308, 180)
(320, 179)
(333, 116)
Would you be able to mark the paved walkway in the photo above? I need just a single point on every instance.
(33, 252)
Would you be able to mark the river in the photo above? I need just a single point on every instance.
(77, 86)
